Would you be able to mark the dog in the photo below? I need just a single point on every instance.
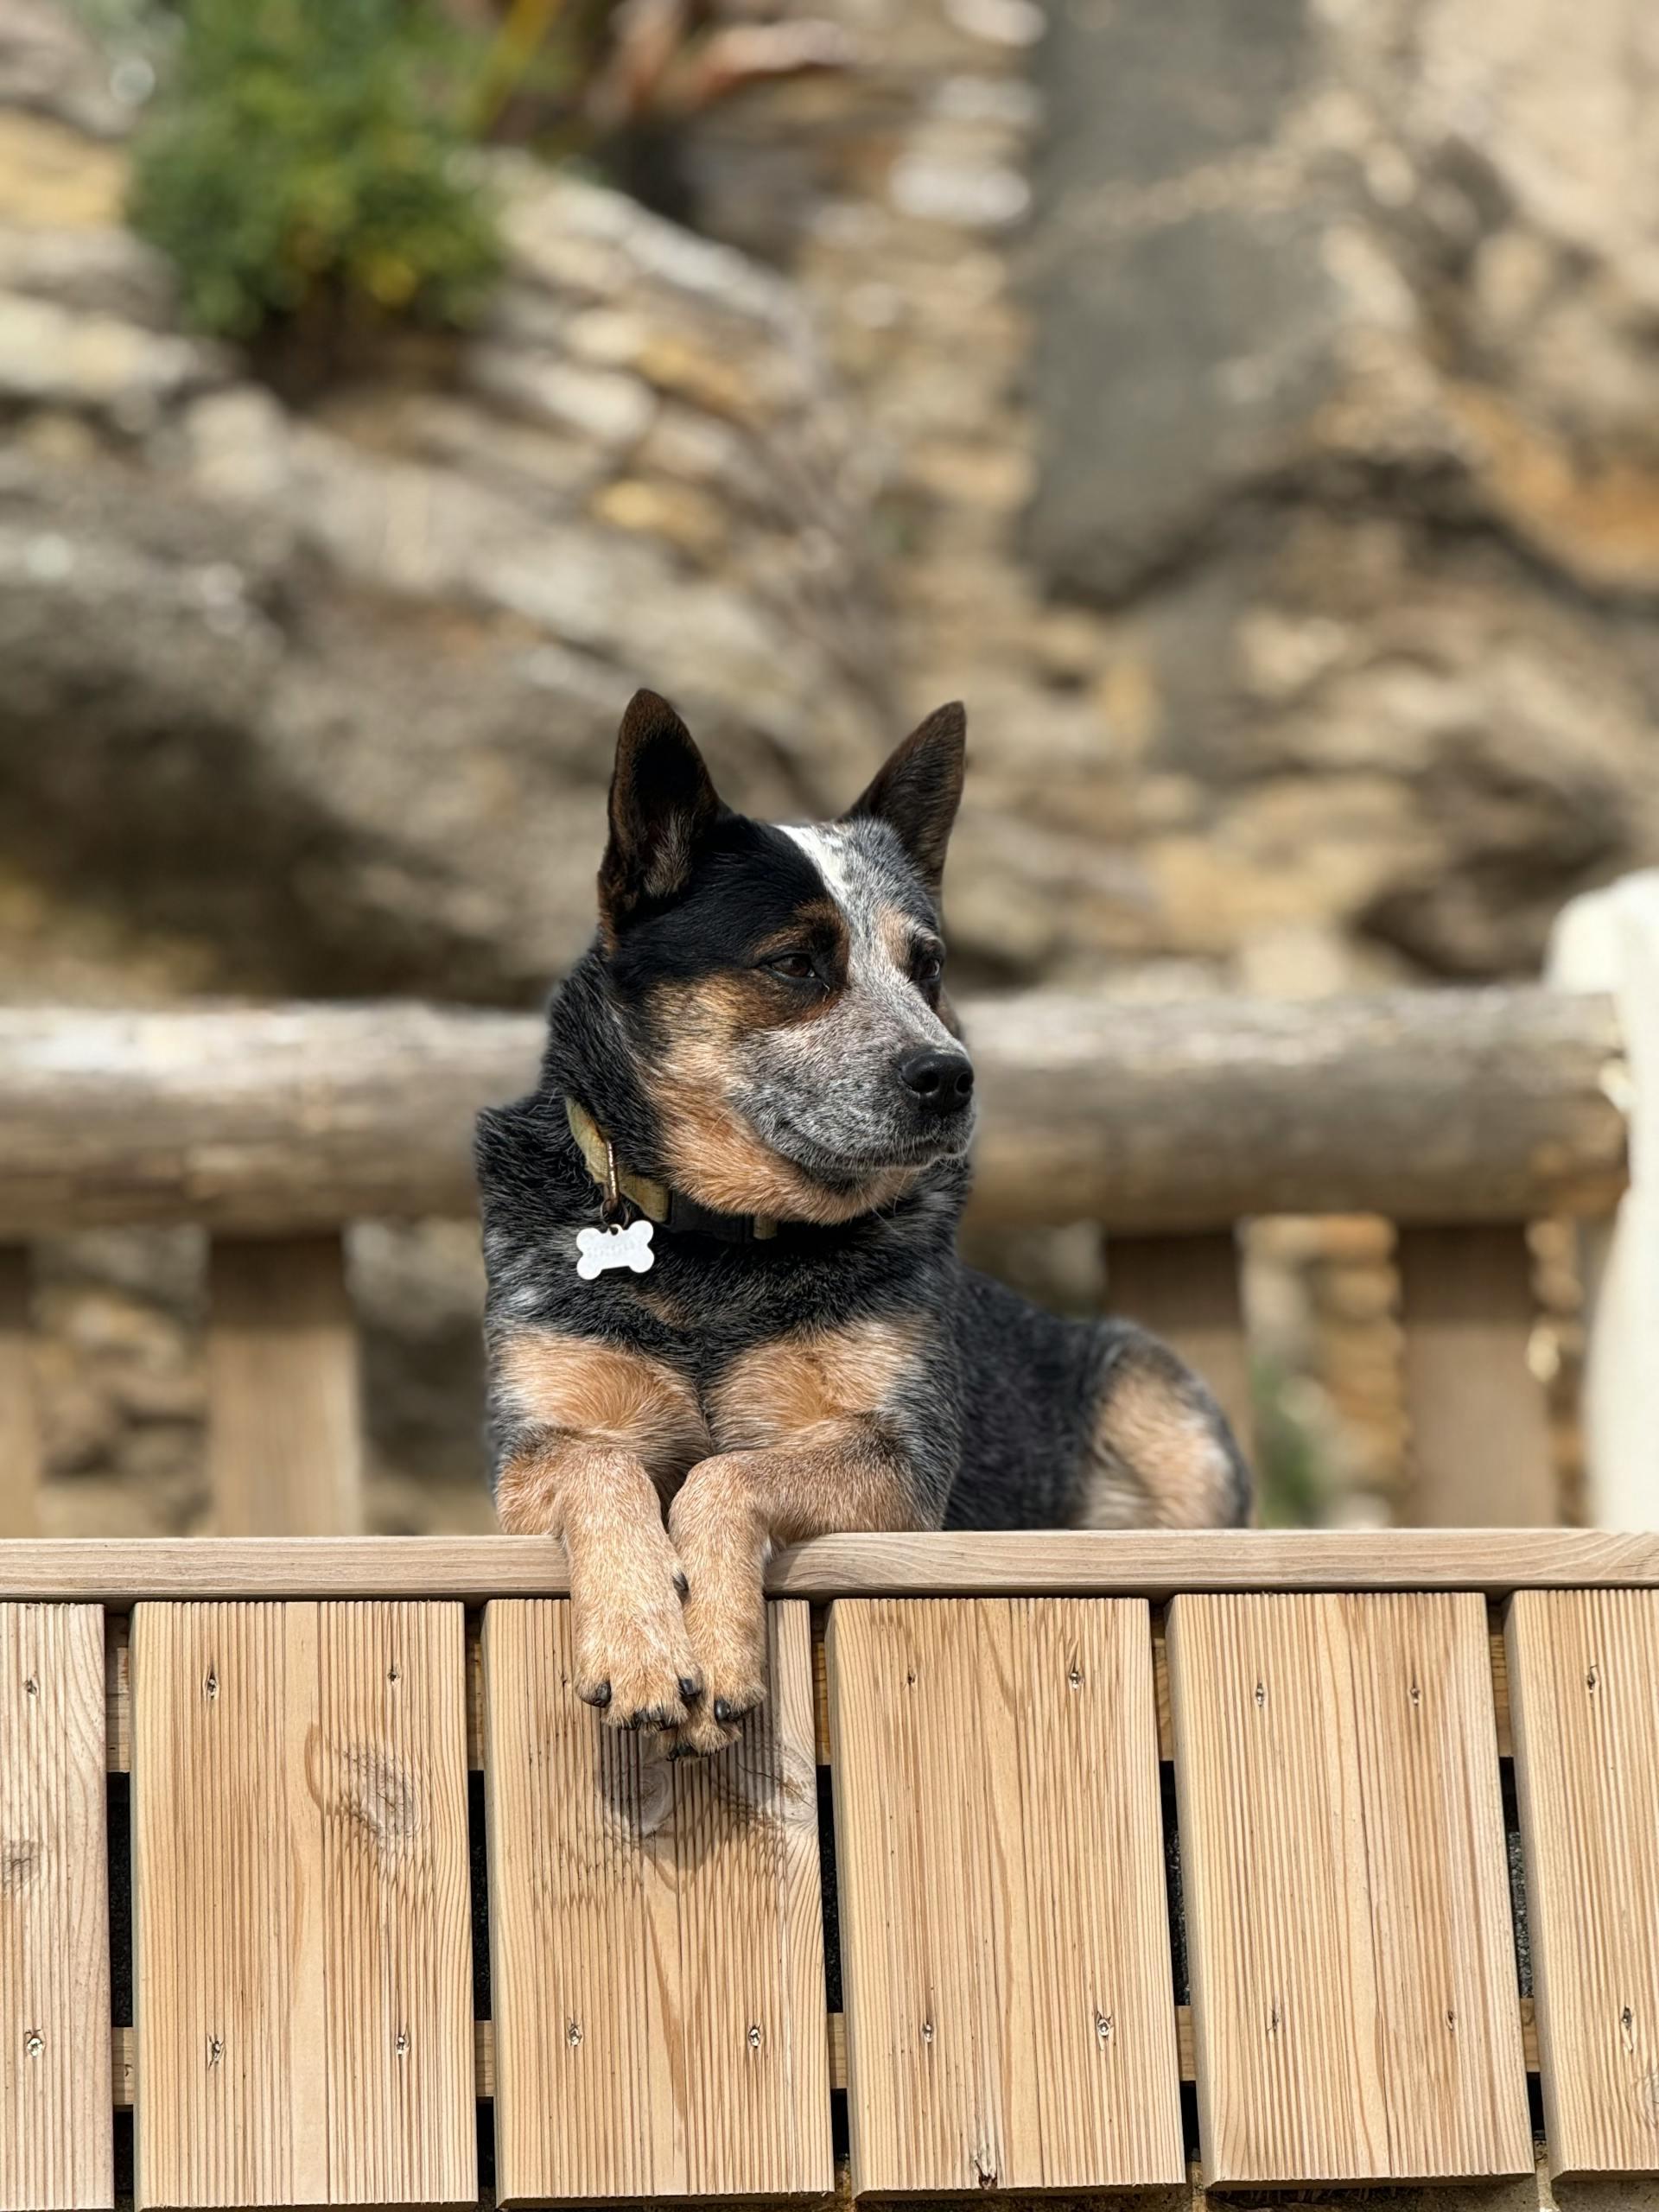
(724, 1308)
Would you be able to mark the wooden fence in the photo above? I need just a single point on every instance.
(1459, 1115)
(1147, 1863)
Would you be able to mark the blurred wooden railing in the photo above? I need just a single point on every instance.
(1459, 1115)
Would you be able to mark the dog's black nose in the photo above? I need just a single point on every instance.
(941, 1082)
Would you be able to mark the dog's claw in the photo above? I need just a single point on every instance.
(681, 1585)
(690, 1689)
(599, 1696)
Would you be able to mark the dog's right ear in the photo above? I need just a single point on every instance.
(663, 804)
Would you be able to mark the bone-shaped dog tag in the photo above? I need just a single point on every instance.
(615, 1248)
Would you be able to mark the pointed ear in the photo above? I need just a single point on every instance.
(917, 792)
(663, 804)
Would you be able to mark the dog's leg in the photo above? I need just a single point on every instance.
(733, 1511)
(1159, 1452)
(589, 1433)
(634, 1658)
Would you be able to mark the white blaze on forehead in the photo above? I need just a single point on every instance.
(825, 848)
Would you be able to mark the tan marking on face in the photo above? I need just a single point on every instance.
(898, 934)
(1157, 1463)
(709, 1150)
(606, 1395)
(791, 1390)
(817, 926)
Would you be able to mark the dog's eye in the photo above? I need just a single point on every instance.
(928, 969)
(795, 966)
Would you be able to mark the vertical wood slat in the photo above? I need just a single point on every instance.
(1004, 1929)
(1583, 1690)
(55, 2129)
(21, 1469)
(657, 1937)
(1479, 1453)
(1345, 1877)
(285, 1422)
(302, 1925)
(1185, 1289)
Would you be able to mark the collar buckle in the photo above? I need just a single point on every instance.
(616, 1211)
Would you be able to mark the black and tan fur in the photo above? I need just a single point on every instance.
(761, 1027)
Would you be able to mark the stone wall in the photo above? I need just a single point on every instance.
(324, 699)
(1266, 401)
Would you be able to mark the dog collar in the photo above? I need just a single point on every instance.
(671, 1209)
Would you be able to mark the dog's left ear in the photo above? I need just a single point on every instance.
(663, 804)
(918, 791)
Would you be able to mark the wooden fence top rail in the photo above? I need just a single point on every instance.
(1497, 1104)
(1142, 1563)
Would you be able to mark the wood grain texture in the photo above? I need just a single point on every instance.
(1584, 1674)
(1005, 1939)
(20, 1466)
(1149, 1563)
(1186, 1290)
(1346, 1881)
(56, 2141)
(284, 1423)
(302, 1929)
(1479, 1450)
(657, 1938)
(1446, 1105)
(123, 2059)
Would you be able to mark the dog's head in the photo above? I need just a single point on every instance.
(781, 988)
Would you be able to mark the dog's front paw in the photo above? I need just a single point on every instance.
(634, 1656)
(734, 1685)
(726, 1616)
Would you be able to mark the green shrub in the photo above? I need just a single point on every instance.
(306, 165)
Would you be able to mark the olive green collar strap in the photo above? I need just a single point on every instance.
(671, 1209)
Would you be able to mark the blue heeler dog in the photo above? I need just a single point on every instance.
(726, 1311)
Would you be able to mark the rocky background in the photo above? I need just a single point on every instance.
(1252, 412)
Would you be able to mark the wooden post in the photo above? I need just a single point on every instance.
(1609, 941)
(284, 1421)
(19, 1435)
(1479, 1452)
